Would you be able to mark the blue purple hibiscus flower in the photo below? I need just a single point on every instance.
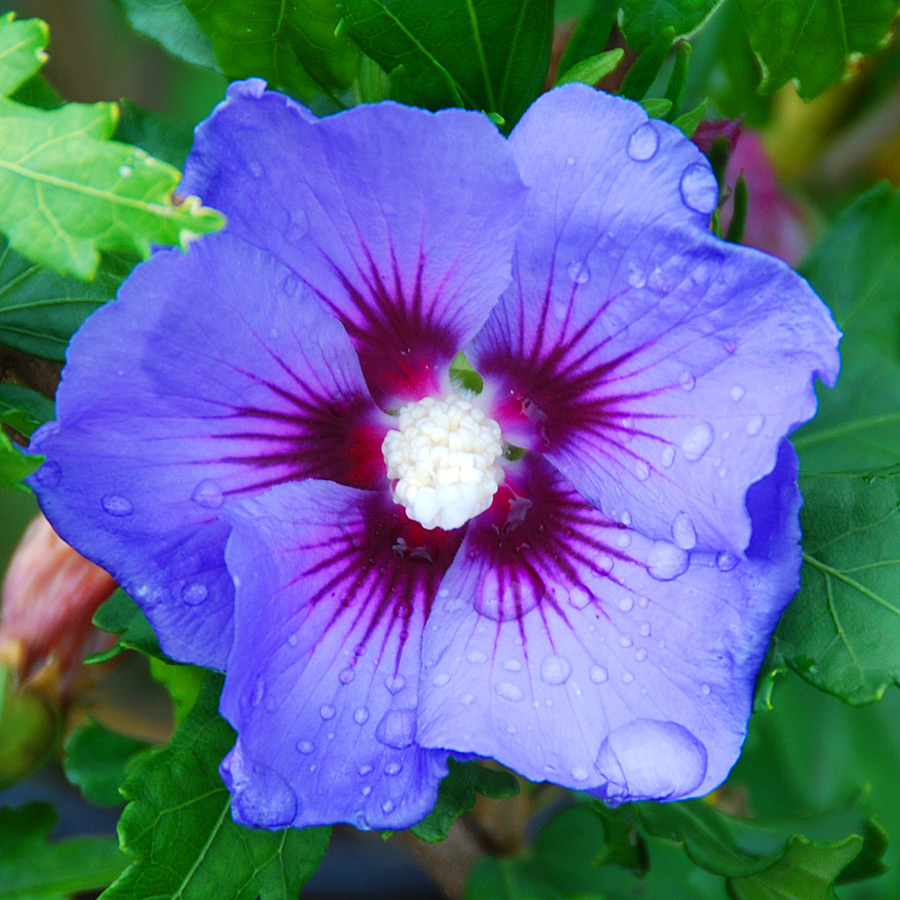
(575, 571)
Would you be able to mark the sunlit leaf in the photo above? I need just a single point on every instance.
(21, 50)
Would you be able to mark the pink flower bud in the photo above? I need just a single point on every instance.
(50, 594)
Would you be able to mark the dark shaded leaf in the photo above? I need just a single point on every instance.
(481, 54)
(95, 761)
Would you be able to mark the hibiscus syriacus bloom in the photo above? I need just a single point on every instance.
(575, 571)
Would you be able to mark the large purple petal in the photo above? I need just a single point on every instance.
(576, 650)
(334, 587)
(211, 376)
(400, 220)
(656, 366)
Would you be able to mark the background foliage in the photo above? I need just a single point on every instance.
(89, 185)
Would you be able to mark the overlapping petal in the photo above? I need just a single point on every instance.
(576, 650)
(211, 376)
(656, 366)
(334, 587)
(410, 248)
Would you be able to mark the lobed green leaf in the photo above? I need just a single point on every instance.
(810, 41)
(121, 615)
(171, 25)
(178, 828)
(21, 51)
(842, 632)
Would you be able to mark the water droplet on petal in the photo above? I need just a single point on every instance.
(687, 380)
(327, 712)
(645, 629)
(365, 770)
(579, 597)
(299, 226)
(366, 790)
(395, 683)
(665, 561)
(265, 801)
(48, 474)
(555, 670)
(624, 640)
(116, 505)
(393, 768)
(623, 540)
(755, 425)
(290, 285)
(508, 691)
(255, 168)
(627, 678)
(640, 655)
(580, 773)
(387, 806)
(636, 276)
(699, 189)
(643, 143)
(512, 665)
(697, 441)
(642, 470)
(649, 759)
(726, 561)
(467, 699)
(476, 657)
(737, 392)
(306, 747)
(194, 594)
(683, 532)
(397, 728)
(259, 691)
(578, 271)
(626, 604)
(208, 494)
(346, 676)
(668, 456)
(570, 160)
(705, 689)
(361, 716)
(598, 674)
(441, 679)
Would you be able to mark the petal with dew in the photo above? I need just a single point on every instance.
(211, 376)
(401, 221)
(656, 366)
(578, 651)
(334, 588)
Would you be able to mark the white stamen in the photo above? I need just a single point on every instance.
(444, 456)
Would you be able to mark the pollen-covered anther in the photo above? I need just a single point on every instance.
(443, 456)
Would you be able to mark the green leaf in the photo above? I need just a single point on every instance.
(842, 632)
(23, 408)
(808, 871)
(182, 682)
(647, 66)
(457, 794)
(678, 78)
(644, 20)
(178, 826)
(855, 268)
(32, 869)
(810, 40)
(690, 120)
(72, 193)
(95, 761)
(170, 24)
(656, 107)
(40, 309)
(21, 50)
(481, 54)
(594, 68)
(294, 45)
(591, 34)
(14, 465)
(122, 616)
